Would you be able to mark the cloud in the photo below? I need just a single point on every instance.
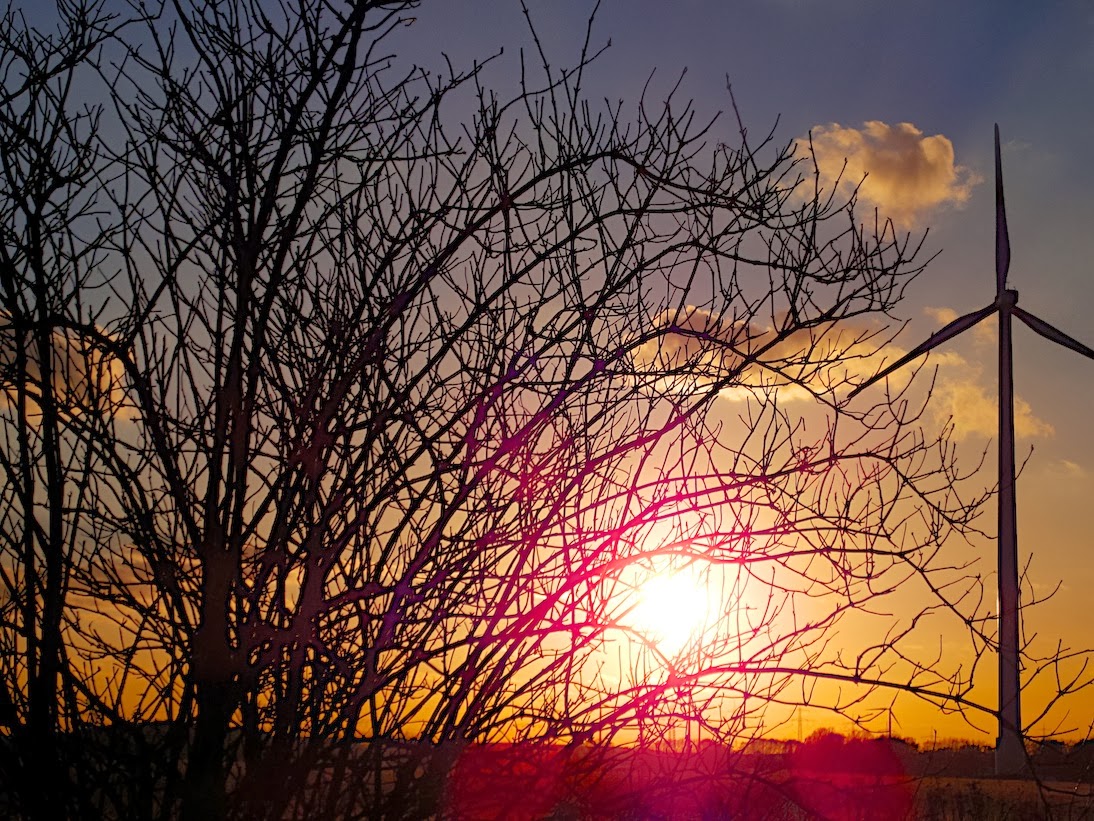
(1071, 470)
(983, 333)
(907, 173)
(961, 397)
(943, 316)
(84, 377)
(974, 410)
(692, 350)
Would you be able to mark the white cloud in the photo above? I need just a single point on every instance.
(907, 174)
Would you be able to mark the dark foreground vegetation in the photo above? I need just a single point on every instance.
(825, 777)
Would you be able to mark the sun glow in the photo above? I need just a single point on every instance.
(672, 609)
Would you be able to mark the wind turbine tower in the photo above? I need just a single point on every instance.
(1010, 755)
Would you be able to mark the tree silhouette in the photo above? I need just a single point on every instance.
(386, 394)
(59, 390)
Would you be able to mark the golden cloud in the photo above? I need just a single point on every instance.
(974, 410)
(943, 316)
(964, 400)
(694, 349)
(1071, 470)
(983, 333)
(84, 377)
(902, 172)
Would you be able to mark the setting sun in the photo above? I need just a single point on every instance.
(671, 610)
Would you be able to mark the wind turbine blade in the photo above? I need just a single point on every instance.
(1051, 333)
(1002, 238)
(962, 323)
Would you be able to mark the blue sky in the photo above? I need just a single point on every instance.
(949, 69)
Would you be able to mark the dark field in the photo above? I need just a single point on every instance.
(826, 777)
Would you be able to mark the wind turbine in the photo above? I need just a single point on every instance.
(1010, 757)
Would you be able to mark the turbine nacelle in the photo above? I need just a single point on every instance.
(1007, 298)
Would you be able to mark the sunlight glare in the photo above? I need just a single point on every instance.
(671, 610)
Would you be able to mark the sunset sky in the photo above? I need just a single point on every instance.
(910, 93)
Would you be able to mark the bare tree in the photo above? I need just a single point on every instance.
(59, 389)
(421, 386)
